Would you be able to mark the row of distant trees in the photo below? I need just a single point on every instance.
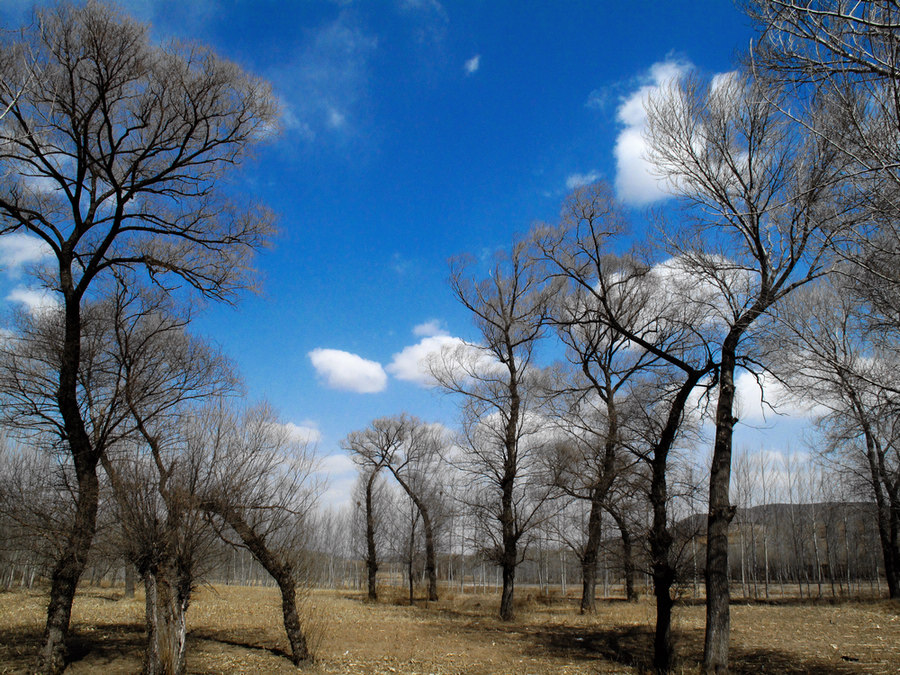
(782, 263)
(797, 532)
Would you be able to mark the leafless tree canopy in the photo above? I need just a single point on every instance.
(113, 150)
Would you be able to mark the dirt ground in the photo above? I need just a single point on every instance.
(238, 630)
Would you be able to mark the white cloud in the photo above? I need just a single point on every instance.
(577, 180)
(429, 329)
(752, 409)
(18, 249)
(348, 372)
(412, 363)
(35, 301)
(473, 64)
(305, 432)
(339, 472)
(636, 181)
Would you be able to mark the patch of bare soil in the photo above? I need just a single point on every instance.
(238, 630)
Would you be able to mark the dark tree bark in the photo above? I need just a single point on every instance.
(70, 566)
(430, 555)
(281, 570)
(371, 552)
(721, 513)
(589, 559)
(509, 532)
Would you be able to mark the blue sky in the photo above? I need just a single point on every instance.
(415, 130)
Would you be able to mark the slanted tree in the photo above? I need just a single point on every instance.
(261, 484)
(113, 150)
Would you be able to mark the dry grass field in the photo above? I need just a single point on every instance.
(238, 630)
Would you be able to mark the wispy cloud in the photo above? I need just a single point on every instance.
(18, 249)
(473, 64)
(321, 89)
(636, 181)
(348, 372)
(36, 301)
(577, 180)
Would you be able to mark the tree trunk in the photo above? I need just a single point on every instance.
(129, 579)
(167, 601)
(663, 572)
(71, 563)
(67, 572)
(281, 570)
(371, 553)
(152, 663)
(721, 512)
(507, 612)
(589, 559)
(430, 557)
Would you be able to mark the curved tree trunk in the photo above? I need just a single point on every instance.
(282, 571)
(430, 556)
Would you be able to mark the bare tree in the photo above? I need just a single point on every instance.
(161, 371)
(762, 194)
(410, 450)
(113, 149)
(841, 59)
(587, 464)
(834, 361)
(495, 381)
(262, 485)
(369, 449)
(653, 321)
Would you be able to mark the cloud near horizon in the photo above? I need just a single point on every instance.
(348, 372)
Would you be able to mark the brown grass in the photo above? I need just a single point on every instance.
(238, 630)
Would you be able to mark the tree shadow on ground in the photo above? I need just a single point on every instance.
(100, 647)
(108, 645)
(18, 650)
(632, 646)
(227, 638)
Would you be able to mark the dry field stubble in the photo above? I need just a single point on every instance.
(237, 629)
